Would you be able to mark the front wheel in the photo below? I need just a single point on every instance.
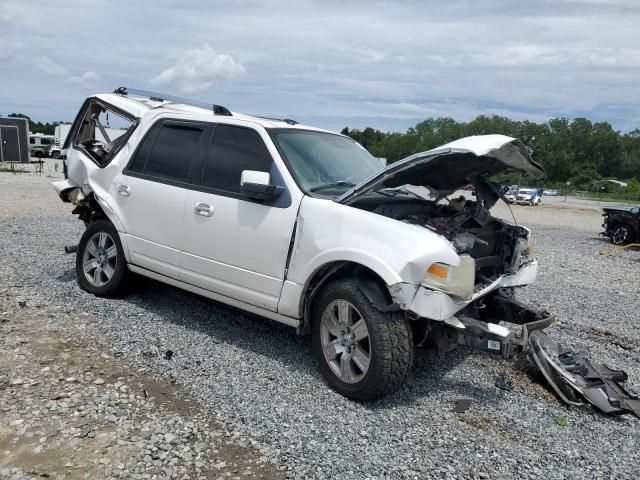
(100, 263)
(621, 234)
(361, 352)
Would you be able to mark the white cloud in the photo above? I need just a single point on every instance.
(323, 60)
(84, 80)
(198, 69)
(48, 66)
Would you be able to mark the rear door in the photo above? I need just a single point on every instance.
(150, 193)
(237, 247)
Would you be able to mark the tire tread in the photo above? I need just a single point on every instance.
(392, 334)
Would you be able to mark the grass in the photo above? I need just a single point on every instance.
(11, 168)
(607, 197)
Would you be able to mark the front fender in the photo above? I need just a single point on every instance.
(396, 251)
(384, 270)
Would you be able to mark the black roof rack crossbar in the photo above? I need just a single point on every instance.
(160, 97)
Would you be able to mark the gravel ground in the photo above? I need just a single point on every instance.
(257, 377)
(71, 410)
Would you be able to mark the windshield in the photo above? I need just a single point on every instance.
(325, 162)
(526, 191)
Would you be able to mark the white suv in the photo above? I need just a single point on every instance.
(305, 227)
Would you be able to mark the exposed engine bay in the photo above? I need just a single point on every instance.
(498, 247)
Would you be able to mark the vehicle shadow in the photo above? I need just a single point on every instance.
(67, 276)
(601, 239)
(431, 375)
(219, 322)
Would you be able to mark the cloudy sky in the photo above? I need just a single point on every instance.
(331, 63)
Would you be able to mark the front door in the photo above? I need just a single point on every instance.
(235, 246)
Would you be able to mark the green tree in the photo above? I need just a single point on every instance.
(575, 150)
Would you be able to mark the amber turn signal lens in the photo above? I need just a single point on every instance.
(438, 270)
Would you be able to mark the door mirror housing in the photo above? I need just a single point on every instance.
(257, 185)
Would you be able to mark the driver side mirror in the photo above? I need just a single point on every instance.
(257, 185)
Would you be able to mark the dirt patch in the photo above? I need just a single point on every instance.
(69, 409)
(486, 425)
(626, 343)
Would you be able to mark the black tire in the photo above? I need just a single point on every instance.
(620, 234)
(390, 343)
(116, 283)
(55, 155)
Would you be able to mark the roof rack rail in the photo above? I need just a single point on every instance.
(160, 97)
(286, 120)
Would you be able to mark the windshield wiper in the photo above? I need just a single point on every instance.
(341, 183)
(395, 191)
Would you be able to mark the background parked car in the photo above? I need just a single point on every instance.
(52, 151)
(622, 224)
(528, 196)
(510, 193)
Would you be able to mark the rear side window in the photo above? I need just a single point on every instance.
(100, 130)
(232, 150)
(167, 151)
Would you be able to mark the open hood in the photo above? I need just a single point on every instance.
(450, 166)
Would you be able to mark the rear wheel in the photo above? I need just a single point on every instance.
(55, 155)
(362, 353)
(621, 234)
(100, 263)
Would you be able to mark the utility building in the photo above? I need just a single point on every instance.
(14, 139)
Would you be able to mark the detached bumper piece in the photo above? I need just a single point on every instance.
(574, 377)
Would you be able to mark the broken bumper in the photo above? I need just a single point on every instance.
(574, 377)
(427, 303)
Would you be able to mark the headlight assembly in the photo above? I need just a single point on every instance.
(458, 281)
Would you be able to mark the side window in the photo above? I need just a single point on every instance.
(167, 150)
(232, 150)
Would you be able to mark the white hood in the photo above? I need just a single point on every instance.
(448, 167)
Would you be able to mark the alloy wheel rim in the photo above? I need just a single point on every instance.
(345, 341)
(620, 235)
(99, 259)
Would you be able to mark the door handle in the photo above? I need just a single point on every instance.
(203, 209)
(124, 190)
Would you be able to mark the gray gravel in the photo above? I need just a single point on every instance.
(258, 376)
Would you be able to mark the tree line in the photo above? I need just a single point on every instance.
(37, 127)
(576, 151)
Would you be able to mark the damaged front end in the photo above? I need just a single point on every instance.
(574, 377)
(467, 302)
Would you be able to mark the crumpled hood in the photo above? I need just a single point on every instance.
(450, 166)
